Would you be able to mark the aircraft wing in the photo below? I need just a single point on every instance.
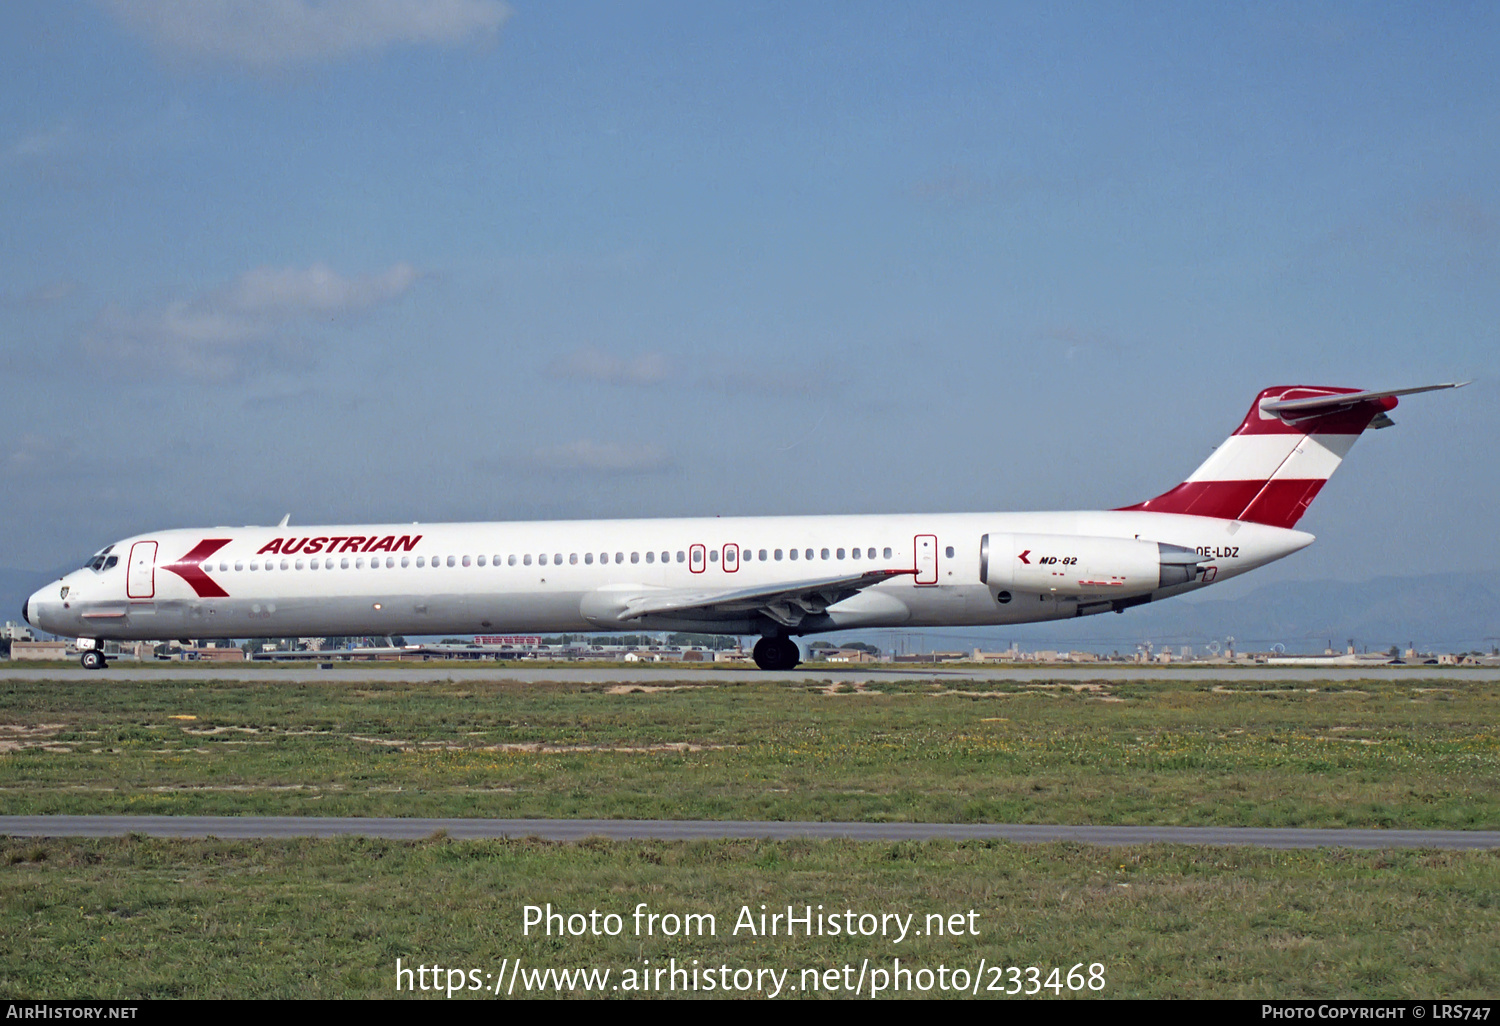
(786, 603)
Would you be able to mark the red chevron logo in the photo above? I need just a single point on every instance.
(1022, 557)
(190, 569)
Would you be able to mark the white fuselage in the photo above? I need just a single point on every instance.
(530, 577)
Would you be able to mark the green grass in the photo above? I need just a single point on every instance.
(1402, 753)
(136, 918)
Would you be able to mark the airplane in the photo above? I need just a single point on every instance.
(778, 577)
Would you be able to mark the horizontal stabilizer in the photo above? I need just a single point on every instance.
(1321, 405)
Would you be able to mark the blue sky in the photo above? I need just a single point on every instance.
(461, 259)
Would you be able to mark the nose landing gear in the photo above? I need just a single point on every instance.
(93, 659)
(776, 654)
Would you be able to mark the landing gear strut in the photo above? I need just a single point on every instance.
(93, 659)
(776, 654)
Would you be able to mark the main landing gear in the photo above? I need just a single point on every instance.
(776, 654)
(93, 659)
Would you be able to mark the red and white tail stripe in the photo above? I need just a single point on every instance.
(1273, 466)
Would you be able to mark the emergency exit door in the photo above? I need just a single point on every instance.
(927, 559)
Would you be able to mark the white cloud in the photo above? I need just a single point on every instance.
(41, 144)
(178, 338)
(40, 296)
(289, 291)
(269, 33)
(216, 333)
(52, 292)
(31, 454)
(608, 457)
(590, 364)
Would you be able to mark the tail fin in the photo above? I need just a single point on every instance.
(1273, 466)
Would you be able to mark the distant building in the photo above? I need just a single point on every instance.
(40, 650)
(844, 655)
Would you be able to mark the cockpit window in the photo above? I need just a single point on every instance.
(102, 560)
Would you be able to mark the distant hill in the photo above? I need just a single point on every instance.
(1441, 612)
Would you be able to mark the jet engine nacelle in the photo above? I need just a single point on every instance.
(1071, 564)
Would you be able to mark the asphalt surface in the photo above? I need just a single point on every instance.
(256, 827)
(417, 672)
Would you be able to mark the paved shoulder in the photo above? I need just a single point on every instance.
(246, 827)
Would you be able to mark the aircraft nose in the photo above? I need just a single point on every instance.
(26, 611)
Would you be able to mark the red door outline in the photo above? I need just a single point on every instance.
(697, 558)
(139, 583)
(925, 559)
(731, 558)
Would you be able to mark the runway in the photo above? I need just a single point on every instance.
(416, 672)
(260, 827)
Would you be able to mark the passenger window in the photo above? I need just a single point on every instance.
(223, 568)
(810, 553)
(666, 557)
(421, 561)
(511, 560)
(299, 564)
(887, 552)
(451, 561)
(557, 558)
(651, 557)
(777, 554)
(588, 558)
(466, 561)
(635, 557)
(824, 553)
(949, 552)
(254, 565)
(841, 553)
(680, 555)
(481, 561)
(526, 559)
(359, 564)
(573, 558)
(619, 557)
(763, 555)
(793, 553)
(854, 553)
(542, 559)
(405, 562)
(713, 555)
(871, 553)
(343, 564)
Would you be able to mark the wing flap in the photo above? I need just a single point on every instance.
(786, 603)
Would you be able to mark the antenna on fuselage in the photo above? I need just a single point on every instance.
(284, 520)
